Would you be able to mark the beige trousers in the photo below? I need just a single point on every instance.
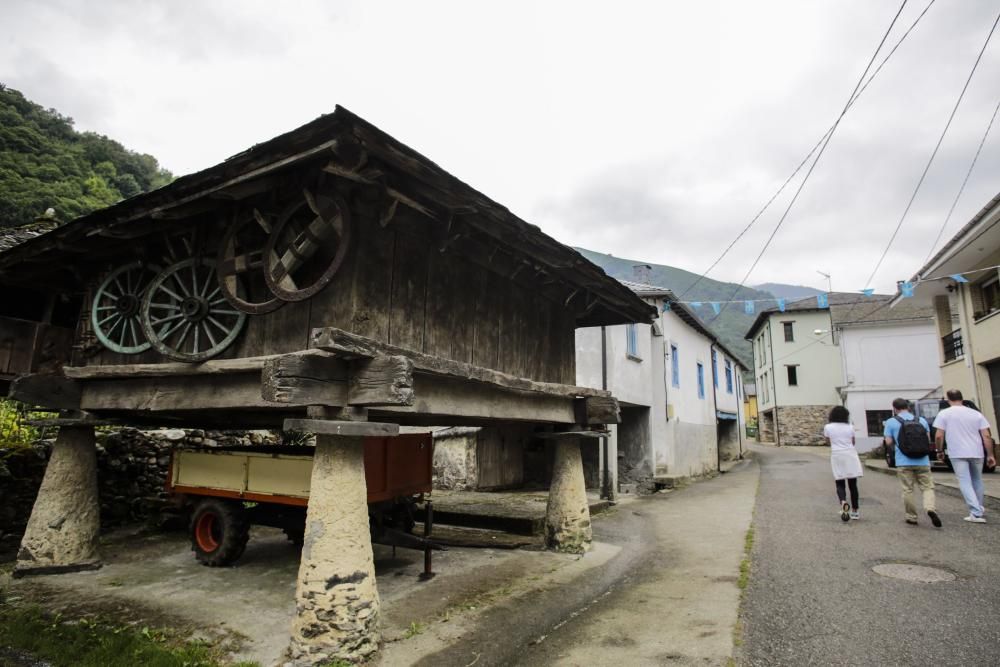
(921, 475)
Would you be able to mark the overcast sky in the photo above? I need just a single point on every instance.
(652, 131)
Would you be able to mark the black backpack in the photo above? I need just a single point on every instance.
(913, 439)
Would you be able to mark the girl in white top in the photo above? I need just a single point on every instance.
(844, 460)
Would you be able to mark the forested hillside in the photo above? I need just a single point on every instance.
(45, 163)
(730, 326)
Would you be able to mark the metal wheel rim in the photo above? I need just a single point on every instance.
(114, 323)
(185, 300)
(273, 260)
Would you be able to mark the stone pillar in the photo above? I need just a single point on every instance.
(65, 522)
(336, 601)
(567, 516)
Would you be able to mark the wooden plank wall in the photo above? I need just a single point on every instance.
(397, 286)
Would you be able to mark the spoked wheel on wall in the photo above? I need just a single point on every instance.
(114, 311)
(184, 314)
(219, 531)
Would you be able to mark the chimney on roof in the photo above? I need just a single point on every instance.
(642, 273)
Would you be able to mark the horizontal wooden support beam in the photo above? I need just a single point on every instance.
(571, 435)
(352, 346)
(69, 421)
(46, 391)
(212, 367)
(309, 380)
(176, 394)
(351, 429)
(383, 380)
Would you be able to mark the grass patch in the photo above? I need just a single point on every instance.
(744, 579)
(414, 630)
(97, 643)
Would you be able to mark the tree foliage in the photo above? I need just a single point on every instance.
(45, 163)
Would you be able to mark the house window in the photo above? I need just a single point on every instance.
(986, 297)
(793, 375)
(632, 341)
(675, 367)
(729, 376)
(701, 380)
(876, 420)
(715, 369)
(789, 332)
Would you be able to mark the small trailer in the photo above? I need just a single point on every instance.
(228, 489)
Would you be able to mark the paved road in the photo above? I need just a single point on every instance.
(814, 599)
(669, 596)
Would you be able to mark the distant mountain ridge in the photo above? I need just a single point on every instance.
(790, 292)
(730, 326)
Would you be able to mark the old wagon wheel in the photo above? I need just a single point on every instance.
(185, 315)
(242, 254)
(307, 246)
(114, 312)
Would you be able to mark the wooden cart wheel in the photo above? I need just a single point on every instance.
(114, 312)
(242, 254)
(307, 246)
(184, 314)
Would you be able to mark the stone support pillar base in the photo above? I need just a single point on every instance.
(64, 527)
(336, 601)
(567, 516)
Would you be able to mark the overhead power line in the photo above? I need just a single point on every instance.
(815, 147)
(972, 166)
(934, 153)
(819, 154)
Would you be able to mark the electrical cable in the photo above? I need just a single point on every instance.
(801, 164)
(805, 179)
(933, 154)
(972, 166)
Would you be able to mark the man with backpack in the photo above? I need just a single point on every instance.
(911, 438)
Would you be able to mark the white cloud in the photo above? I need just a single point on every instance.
(650, 130)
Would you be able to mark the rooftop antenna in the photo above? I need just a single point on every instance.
(829, 283)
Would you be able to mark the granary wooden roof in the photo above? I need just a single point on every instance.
(348, 147)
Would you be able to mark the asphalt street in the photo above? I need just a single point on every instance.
(814, 599)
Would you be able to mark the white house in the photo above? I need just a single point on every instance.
(680, 392)
(856, 351)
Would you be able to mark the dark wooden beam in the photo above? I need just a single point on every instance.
(55, 392)
(594, 410)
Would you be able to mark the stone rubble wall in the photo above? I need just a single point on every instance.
(132, 467)
(803, 424)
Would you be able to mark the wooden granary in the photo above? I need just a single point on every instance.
(330, 280)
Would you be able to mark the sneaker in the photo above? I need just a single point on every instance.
(935, 519)
(912, 522)
(855, 514)
(975, 519)
(845, 512)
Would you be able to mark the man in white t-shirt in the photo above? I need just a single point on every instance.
(969, 440)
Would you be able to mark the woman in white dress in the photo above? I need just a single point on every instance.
(844, 460)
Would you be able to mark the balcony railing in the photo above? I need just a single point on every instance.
(952, 344)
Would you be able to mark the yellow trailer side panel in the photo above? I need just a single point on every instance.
(212, 471)
(280, 476)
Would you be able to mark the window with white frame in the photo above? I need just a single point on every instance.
(986, 297)
(701, 380)
(632, 341)
(729, 376)
(675, 367)
(715, 368)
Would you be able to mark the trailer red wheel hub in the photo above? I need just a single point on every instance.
(206, 533)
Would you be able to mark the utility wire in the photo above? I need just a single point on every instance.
(933, 154)
(964, 182)
(826, 142)
(808, 155)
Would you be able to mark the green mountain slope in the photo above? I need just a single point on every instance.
(730, 326)
(45, 163)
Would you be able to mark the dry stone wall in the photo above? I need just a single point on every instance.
(802, 424)
(132, 468)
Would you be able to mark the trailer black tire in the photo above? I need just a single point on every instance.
(219, 531)
(296, 534)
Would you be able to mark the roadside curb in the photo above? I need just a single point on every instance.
(992, 502)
